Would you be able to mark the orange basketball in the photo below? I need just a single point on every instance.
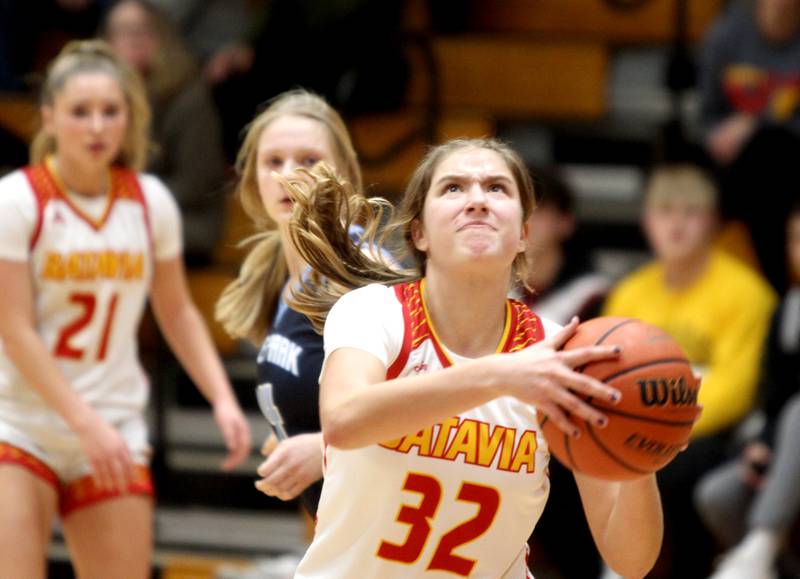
(651, 423)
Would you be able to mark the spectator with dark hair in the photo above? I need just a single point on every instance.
(186, 129)
(752, 502)
(718, 310)
(750, 92)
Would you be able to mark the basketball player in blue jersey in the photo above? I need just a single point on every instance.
(435, 462)
(297, 130)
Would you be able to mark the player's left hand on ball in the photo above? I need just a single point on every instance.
(235, 432)
(292, 466)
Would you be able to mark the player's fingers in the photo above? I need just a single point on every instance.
(561, 337)
(231, 460)
(281, 478)
(244, 437)
(237, 443)
(270, 465)
(587, 385)
(97, 477)
(582, 356)
(227, 429)
(102, 475)
(119, 475)
(576, 406)
(285, 490)
(557, 416)
(266, 488)
(119, 468)
(292, 492)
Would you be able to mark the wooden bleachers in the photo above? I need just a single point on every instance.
(206, 286)
(373, 134)
(652, 22)
(19, 115)
(237, 227)
(517, 78)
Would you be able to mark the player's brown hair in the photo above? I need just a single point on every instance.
(325, 210)
(95, 56)
(248, 304)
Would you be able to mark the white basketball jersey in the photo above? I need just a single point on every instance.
(90, 281)
(457, 499)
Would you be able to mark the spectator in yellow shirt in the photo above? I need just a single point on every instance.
(719, 311)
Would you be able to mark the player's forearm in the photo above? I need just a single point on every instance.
(635, 528)
(190, 341)
(374, 413)
(27, 351)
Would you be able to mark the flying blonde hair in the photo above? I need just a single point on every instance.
(325, 210)
(248, 304)
(91, 57)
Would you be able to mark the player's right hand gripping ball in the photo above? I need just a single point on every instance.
(651, 423)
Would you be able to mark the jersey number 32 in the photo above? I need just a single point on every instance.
(488, 501)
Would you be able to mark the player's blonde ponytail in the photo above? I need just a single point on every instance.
(324, 213)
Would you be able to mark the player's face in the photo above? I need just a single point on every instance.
(287, 144)
(88, 120)
(793, 244)
(472, 213)
(132, 36)
(679, 229)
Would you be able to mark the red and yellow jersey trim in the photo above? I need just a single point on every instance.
(10, 454)
(522, 327)
(47, 186)
(85, 491)
(79, 493)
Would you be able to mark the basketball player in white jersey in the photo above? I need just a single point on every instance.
(84, 241)
(435, 462)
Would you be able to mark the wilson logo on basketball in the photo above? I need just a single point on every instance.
(663, 391)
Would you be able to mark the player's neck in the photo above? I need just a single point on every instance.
(90, 181)
(468, 314)
(294, 262)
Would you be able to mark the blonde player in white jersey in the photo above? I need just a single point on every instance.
(435, 463)
(84, 241)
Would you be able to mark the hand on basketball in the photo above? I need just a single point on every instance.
(291, 467)
(107, 453)
(235, 431)
(545, 376)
